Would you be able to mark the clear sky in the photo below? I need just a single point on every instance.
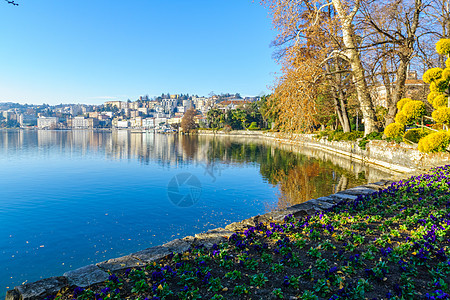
(91, 51)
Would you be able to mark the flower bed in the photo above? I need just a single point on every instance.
(393, 244)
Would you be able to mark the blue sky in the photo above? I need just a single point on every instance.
(80, 51)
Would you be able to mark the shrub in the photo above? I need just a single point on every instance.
(442, 115)
(433, 87)
(371, 136)
(322, 134)
(414, 135)
(446, 74)
(401, 103)
(442, 84)
(414, 110)
(374, 136)
(440, 101)
(354, 135)
(340, 136)
(394, 130)
(431, 96)
(447, 63)
(253, 126)
(432, 74)
(443, 46)
(434, 142)
(401, 118)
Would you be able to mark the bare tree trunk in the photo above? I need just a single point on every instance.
(392, 107)
(399, 89)
(339, 98)
(354, 60)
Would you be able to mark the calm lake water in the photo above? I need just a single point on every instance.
(72, 198)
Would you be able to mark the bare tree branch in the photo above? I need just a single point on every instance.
(12, 2)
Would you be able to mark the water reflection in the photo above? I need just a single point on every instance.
(299, 173)
(88, 196)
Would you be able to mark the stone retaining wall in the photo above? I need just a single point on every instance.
(396, 157)
(97, 273)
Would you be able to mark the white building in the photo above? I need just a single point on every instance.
(187, 104)
(84, 123)
(123, 124)
(148, 123)
(136, 122)
(47, 122)
(143, 110)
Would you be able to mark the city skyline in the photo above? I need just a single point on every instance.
(89, 53)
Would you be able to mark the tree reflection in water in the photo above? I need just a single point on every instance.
(299, 173)
(299, 177)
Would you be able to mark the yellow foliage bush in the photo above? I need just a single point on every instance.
(434, 142)
(443, 46)
(441, 85)
(414, 110)
(447, 63)
(434, 88)
(402, 103)
(442, 115)
(401, 118)
(432, 74)
(431, 96)
(446, 74)
(440, 101)
(394, 130)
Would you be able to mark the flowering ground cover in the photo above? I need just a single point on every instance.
(393, 244)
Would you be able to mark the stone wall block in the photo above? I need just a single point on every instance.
(86, 276)
(214, 236)
(342, 196)
(151, 254)
(179, 245)
(39, 289)
(359, 190)
(120, 263)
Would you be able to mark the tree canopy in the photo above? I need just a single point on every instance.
(339, 54)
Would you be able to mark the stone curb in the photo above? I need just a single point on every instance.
(93, 274)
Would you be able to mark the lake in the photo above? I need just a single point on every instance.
(73, 198)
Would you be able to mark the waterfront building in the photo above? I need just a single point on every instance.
(81, 122)
(161, 120)
(174, 120)
(148, 123)
(122, 124)
(47, 122)
(27, 120)
(136, 122)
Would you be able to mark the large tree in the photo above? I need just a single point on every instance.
(393, 31)
(327, 30)
(188, 122)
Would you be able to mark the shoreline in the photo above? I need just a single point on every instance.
(390, 157)
(97, 273)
